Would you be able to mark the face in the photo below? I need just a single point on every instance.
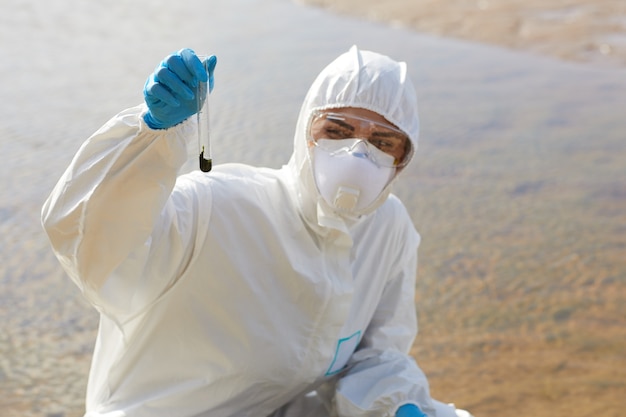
(350, 122)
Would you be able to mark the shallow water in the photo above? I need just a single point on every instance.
(514, 148)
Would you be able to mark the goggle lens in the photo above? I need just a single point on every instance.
(383, 137)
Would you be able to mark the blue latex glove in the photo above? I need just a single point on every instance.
(170, 92)
(410, 410)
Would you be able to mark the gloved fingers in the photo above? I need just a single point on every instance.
(176, 65)
(170, 91)
(410, 410)
(154, 92)
(193, 65)
(177, 87)
(210, 64)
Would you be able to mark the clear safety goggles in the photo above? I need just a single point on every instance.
(387, 146)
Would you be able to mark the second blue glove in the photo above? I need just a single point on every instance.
(410, 410)
(170, 91)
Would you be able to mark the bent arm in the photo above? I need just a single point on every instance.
(113, 206)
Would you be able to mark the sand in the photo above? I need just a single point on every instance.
(575, 30)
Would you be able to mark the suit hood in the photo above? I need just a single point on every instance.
(361, 79)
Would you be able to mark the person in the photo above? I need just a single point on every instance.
(250, 291)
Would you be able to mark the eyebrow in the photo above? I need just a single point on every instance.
(340, 122)
(386, 134)
(389, 134)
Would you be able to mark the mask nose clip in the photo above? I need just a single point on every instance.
(359, 149)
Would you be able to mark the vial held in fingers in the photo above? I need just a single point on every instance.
(203, 123)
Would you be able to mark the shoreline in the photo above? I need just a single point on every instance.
(568, 30)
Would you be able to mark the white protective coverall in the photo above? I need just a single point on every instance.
(237, 292)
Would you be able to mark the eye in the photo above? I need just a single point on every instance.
(336, 132)
(382, 144)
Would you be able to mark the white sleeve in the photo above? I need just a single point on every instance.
(381, 374)
(113, 221)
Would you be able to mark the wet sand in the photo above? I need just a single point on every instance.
(575, 30)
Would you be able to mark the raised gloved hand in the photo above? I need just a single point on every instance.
(170, 92)
(410, 410)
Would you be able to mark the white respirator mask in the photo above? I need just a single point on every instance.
(349, 174)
